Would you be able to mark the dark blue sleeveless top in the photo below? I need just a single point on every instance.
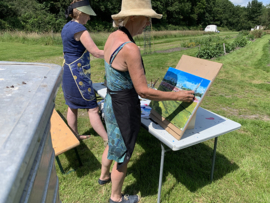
(72, 49)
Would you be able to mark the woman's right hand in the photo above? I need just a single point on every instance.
(185, 96)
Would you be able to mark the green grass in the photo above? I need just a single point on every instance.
(240, 92)
(25, 52)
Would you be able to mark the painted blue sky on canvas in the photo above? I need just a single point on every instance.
(187, 80)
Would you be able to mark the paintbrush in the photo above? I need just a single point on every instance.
(155, 83)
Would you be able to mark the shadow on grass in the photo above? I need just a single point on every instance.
(88, 159)
(190, 167)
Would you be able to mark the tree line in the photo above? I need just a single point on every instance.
(48, 16)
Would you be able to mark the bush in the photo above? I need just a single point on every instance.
(222, 29)
(229, 47)
(4, 25)
(244, 32)
(209, 51)
(191, 44)
(233, 46)
(257, 33)
(250, 37)
(240, 41)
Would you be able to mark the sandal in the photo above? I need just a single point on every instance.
(103, 182)
(127, 199)
(83, 137)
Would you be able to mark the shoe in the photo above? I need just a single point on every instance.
(127, 199)
(103, 182)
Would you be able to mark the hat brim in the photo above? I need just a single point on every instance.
(137, 12)
(87, 10)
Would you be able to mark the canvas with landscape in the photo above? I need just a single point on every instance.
(176, 112)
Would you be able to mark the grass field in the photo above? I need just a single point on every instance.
(240, 92)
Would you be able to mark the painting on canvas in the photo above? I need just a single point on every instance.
(176, 112)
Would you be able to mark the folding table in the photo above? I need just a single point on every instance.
(208, 125)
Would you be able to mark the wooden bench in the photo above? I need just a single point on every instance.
(63, 139)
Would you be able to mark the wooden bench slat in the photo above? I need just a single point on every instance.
(63, 139)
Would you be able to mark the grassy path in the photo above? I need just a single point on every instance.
(240, 92)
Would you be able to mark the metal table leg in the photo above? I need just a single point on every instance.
(214, 159)
(78, 156)
(60, 165)
(163, 151)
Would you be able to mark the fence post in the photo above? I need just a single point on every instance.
(224, 48)
(199, 51)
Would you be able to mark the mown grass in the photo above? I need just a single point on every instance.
(240, 92)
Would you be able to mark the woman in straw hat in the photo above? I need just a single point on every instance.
(126, 80)
(77, 83)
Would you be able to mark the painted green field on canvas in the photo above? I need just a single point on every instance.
(175, 112)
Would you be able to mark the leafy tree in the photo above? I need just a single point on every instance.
(265, 17)
(224, 12)
(254, 9)
(199, 11)
(47, 15)
(240, 19)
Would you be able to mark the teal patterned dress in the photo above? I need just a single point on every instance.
(116, 81)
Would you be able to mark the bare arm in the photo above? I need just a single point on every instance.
(135, 68)
(89, 44)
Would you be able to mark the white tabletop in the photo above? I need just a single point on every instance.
(208, 125)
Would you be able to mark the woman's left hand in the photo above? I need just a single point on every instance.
(89, 44)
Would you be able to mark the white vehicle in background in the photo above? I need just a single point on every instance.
(258, 27)
(211, 28)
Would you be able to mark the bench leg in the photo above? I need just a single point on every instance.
(78, 156)
(59, 164)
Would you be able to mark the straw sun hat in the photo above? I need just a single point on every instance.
(136, 8)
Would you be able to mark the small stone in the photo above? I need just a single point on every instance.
(12, 86)
(24, 83)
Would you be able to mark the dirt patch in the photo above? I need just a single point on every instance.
(171, 50)
(235, 112)
(230, 111)
(255, 117)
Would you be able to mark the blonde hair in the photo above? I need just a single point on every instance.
(120, 22)
(123, 21)
(76, 12)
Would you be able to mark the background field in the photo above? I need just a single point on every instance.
(240, 92)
